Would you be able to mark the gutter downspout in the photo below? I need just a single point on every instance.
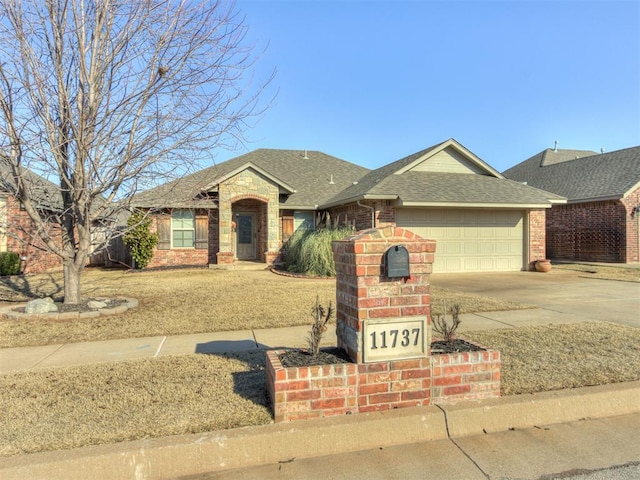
(373, 213)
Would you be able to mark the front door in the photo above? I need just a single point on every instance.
(246, 237)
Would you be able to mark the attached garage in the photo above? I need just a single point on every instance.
(469, 240)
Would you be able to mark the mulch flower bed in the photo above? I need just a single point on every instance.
(454, 346)
(333, 355)
(302, 358)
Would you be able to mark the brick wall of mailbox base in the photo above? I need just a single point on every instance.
(301, 393)
(463, 376)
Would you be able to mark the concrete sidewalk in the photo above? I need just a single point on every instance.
(26, 358)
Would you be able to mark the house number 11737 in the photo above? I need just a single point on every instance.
(394, 338)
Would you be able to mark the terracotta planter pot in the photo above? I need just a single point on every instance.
(543, 265)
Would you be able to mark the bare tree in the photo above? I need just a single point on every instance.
(105, 98)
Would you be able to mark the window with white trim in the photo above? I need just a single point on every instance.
(183, 229)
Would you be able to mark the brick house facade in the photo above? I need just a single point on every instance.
(604, 231)
(22, 238)
(600, 221)
(248, 207)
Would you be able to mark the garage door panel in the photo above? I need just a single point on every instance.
(469, 240)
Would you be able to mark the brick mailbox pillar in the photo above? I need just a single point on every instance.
(383, 315)
(384, 324)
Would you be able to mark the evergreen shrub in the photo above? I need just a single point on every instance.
(9, 263)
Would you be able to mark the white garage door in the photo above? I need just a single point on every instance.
(469, 240)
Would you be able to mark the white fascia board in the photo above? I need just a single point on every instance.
(298, 207)
(595, 199)
(347, 201)
(472, 205)
(379, 197)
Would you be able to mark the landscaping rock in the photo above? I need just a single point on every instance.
(41, 305)
(96, 304)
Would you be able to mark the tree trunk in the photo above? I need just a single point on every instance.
(72, 274)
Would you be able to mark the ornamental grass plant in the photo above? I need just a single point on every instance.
(310, 252)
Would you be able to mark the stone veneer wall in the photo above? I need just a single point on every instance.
(248, 184)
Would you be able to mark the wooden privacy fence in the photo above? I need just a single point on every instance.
(116, 254)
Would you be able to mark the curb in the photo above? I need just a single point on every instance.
(195, 454)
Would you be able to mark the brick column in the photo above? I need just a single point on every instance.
(388, 316)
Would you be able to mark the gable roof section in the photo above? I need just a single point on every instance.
(457, 159)
(310, 177)
(411, 181)
(44, 193)
(248, 166)
(595, 177)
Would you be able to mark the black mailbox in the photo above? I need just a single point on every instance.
(396, 262)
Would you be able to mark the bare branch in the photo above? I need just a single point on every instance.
(104, 98)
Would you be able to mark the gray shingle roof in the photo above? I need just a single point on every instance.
(43, 192)
(315, 179)
(323, 181)
(594, 176)
(436, 187)
(457, 188)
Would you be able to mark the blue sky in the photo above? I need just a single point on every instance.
(374, 81)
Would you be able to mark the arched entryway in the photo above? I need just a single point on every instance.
(250, 229)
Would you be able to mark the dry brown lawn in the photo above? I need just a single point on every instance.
(174, 302)
(553, 357)
(62, 408)
(603, 272)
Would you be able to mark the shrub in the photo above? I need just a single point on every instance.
(321, 317)
(444, 329)
(9, 263)
(139, 239)
(309, 251)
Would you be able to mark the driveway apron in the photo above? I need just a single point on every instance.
(561, 291)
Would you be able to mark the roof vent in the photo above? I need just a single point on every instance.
(306, 156)
(602, 150)
(555, 146)
(331, 182)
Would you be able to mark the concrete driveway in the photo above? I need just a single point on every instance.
(557, 293)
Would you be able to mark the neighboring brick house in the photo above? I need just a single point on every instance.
(17, 232)
(601, 220)
(247, 207)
